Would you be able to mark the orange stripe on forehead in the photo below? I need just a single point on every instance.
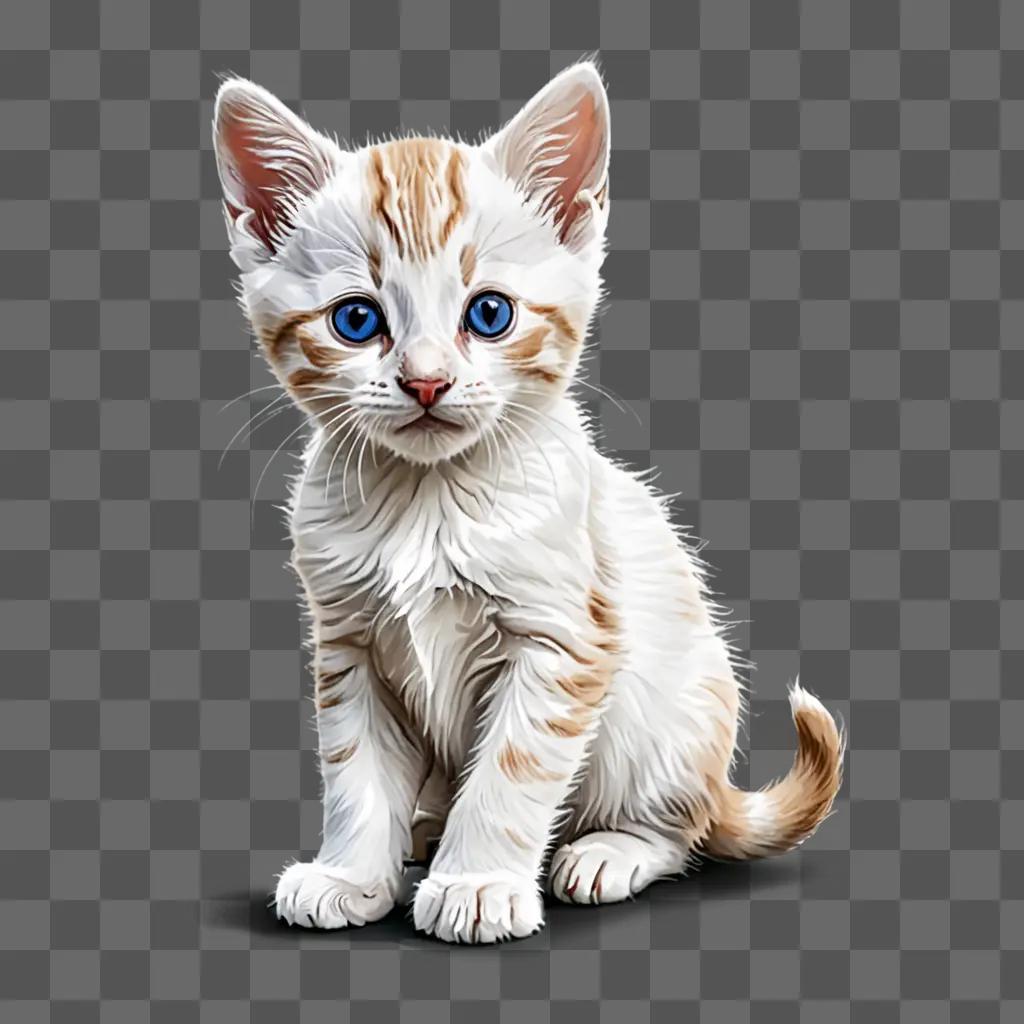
(417, 193)
(380, 192)
(456, 193)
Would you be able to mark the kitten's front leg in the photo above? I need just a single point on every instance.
(482, 886)
(372, 769)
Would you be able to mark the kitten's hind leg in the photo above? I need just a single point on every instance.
(611, 866)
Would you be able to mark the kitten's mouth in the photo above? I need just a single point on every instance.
(429, 423)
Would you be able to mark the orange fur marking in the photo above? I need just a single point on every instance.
(586, 687)
(328, 679)
(276, 338)
(373, 260)
(304, 377)
(589, 686)
(601, 613)
(304, 381)
(341, 755)
(799, 801)
(566, 728)
(525, 349)
(605, 621)
(319, 355)
(522, 352)
(523, 765)
(380, 190)
(416, 194)
(467, 263)
(457, 195)
(561, 323)
(548, 376)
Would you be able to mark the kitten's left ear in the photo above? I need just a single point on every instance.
(556, 149)
(269, 161)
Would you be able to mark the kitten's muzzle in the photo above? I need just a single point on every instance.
(426, 390)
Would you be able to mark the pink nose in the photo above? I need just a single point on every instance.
(426, 391)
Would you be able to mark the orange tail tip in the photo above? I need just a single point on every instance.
(781, 816)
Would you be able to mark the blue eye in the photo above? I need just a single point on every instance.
(489, 315)
(357, 320)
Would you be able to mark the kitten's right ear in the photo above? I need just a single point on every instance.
(556, 150)
(269, 161)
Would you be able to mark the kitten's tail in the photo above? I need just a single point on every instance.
(784, 814)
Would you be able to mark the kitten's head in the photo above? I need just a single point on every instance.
(420, 291)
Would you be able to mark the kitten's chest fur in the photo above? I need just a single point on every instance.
(441, 655)
(423, 565)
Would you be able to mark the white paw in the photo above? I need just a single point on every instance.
(606, 867)
(480, 907)
(317, 896)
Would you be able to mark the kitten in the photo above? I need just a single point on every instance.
(514, 648)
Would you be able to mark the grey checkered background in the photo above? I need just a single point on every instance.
(817, 281)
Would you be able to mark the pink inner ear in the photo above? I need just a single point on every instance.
(258, 184)
(582, 165)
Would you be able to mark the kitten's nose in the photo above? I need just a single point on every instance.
(426, 390)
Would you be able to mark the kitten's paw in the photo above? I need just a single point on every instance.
(480, 907)
(608, 867)
(318, 896)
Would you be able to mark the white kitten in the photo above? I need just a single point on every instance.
(513, 645)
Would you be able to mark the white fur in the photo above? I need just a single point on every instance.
(464, 571)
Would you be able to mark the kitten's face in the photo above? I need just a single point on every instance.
(423, 293)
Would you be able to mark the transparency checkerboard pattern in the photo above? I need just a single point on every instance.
(816, 281)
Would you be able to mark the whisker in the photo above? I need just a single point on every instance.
(620, 404)
(344, 470)
(277, 412)
(499, 243)
(486, 438)
(483, 246)
(248, 394)
(497, 482)
(327, 433)
(514, 448)
(359, 466)
(540, 451)
(345, 244)
(542, 419)
(277, 450)
(601, 390)
(491, 442)
(250, 421)
(318, 392)
(348, 426)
